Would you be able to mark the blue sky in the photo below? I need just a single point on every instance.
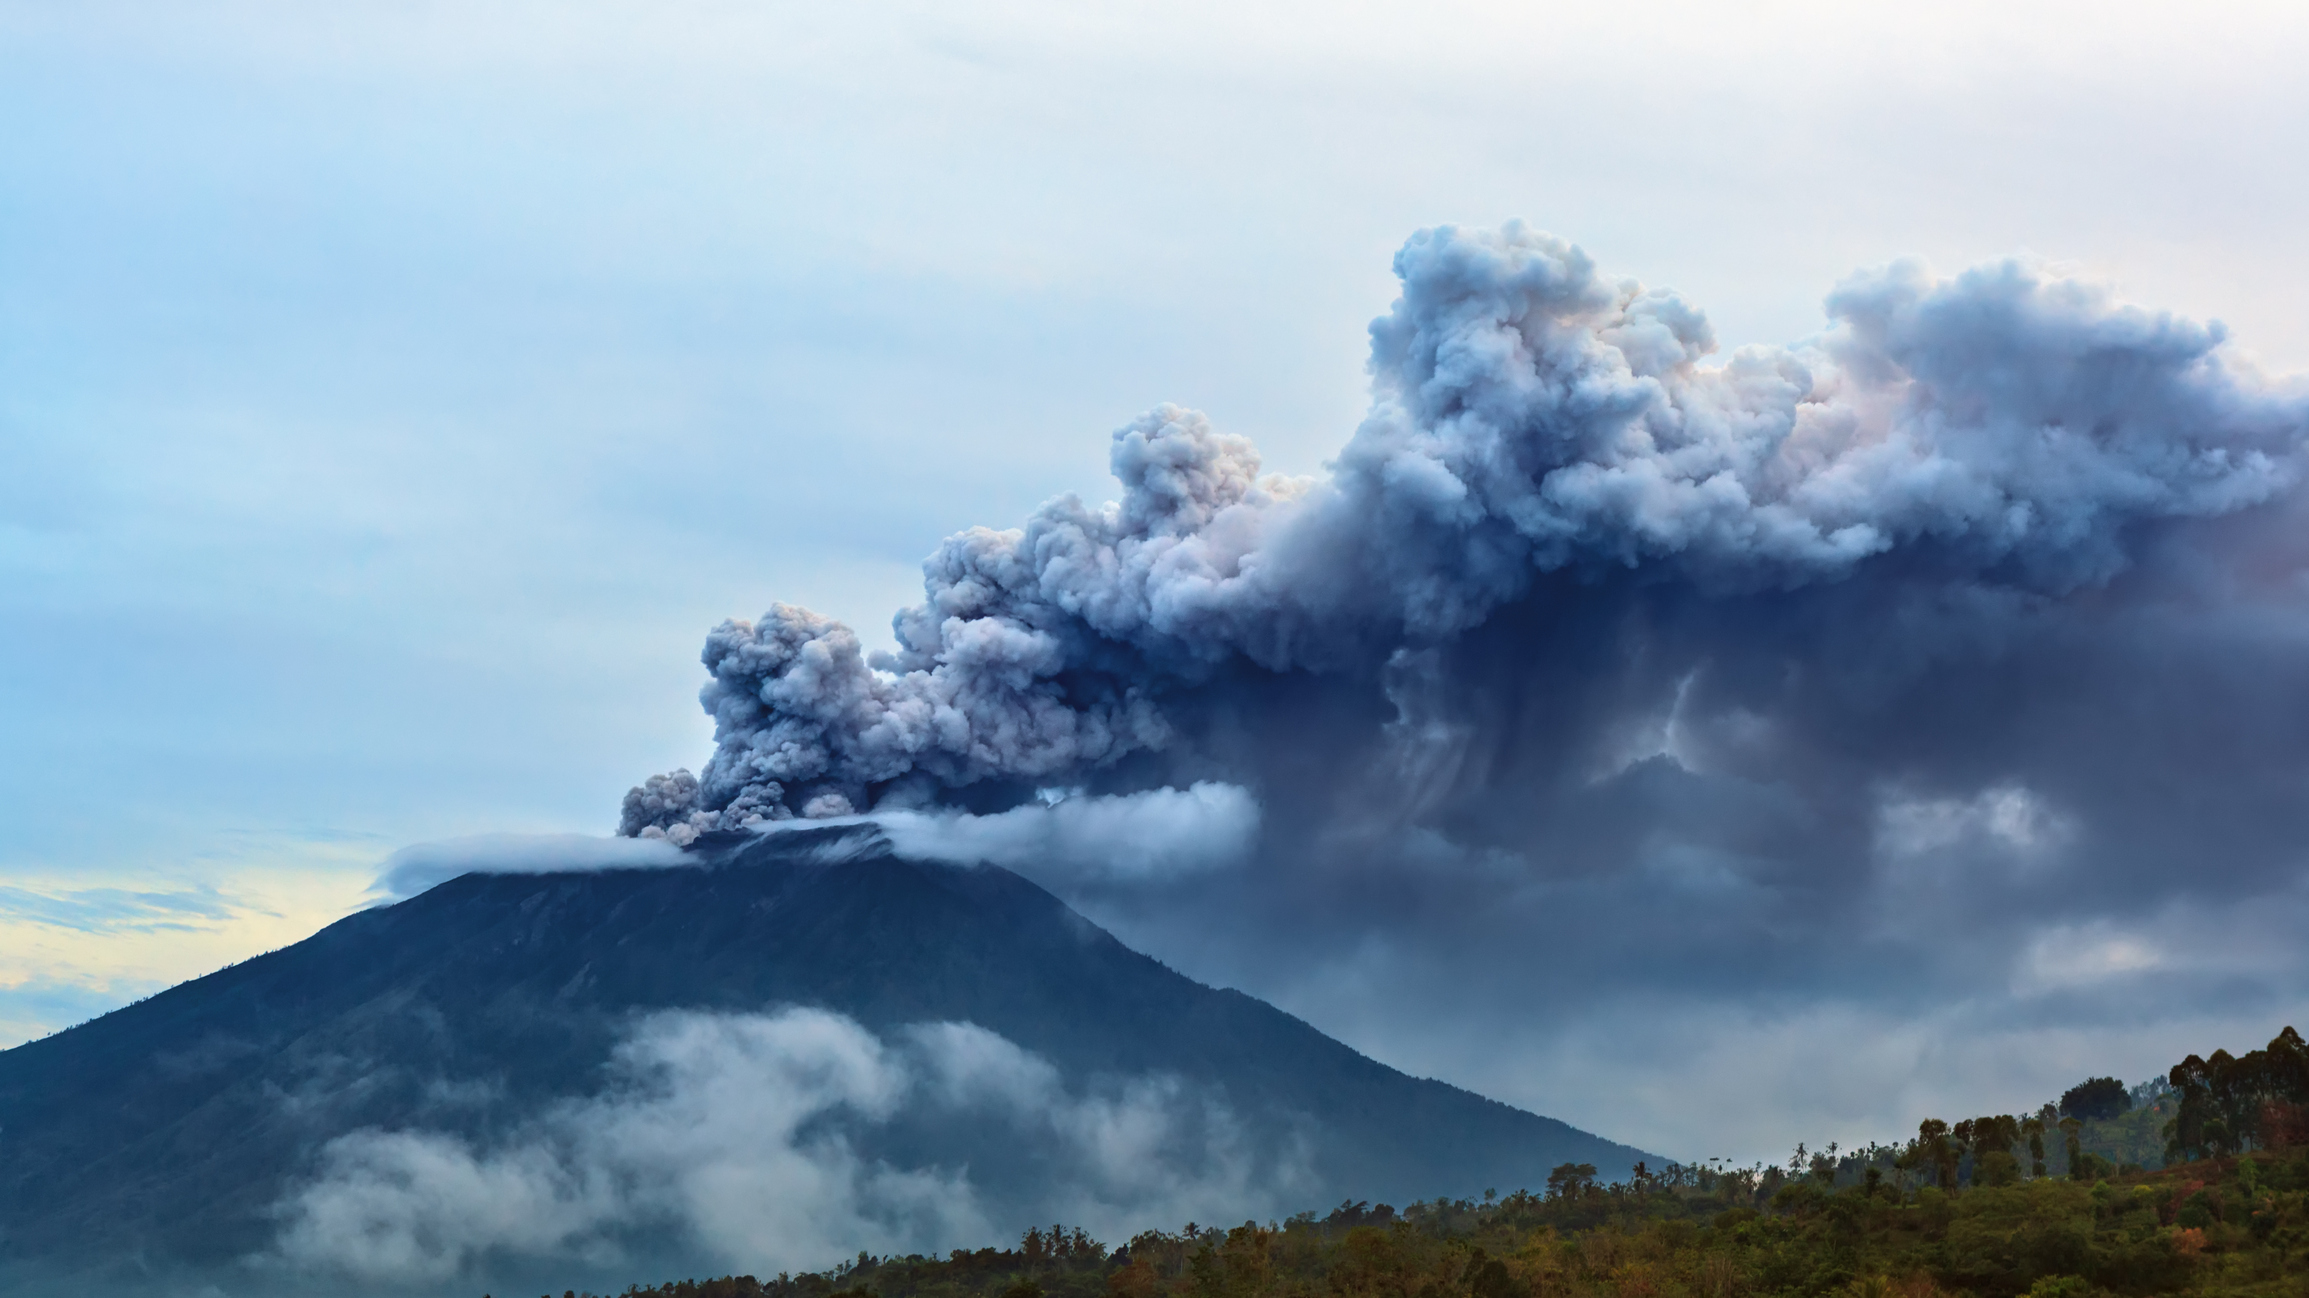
(391, 395)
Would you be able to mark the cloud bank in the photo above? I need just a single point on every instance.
(419, 866)
(1123, 838)
(773, 1142)
(1842, 682)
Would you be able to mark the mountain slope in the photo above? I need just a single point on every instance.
(165, 1132)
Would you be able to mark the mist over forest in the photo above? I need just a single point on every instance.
(2196, 1182)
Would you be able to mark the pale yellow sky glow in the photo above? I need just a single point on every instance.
(73, 946)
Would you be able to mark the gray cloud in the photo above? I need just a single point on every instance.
(1841, 682)
(778, 1141)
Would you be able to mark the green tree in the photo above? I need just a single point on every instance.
(1571, 1181)
(1935, 1152)
(1992, 1139)
(2096, 1099)
(2225, 1101)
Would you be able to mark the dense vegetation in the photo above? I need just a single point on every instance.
(1993, 1206)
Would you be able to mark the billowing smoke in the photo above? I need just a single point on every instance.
(1949, 663)
(2002, 431)
(767, 1142)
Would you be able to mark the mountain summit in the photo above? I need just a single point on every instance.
(802, 1038)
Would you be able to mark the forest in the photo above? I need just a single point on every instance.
(2195, 1183)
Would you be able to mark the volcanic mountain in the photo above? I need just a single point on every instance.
(175, 1136)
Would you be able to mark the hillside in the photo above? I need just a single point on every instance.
(2234, 1227)
(167, 1134)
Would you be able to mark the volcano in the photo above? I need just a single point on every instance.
(163, 1139)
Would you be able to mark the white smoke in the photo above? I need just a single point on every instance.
(743, 1137)
(1124, 837)
(1530, 415)
(419, 866)
(1136, 836)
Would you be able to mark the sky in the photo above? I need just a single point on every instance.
(393, 395)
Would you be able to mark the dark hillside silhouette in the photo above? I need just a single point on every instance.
(163, 1131)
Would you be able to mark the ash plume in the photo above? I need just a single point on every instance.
(1546, 446)
(1927, 697)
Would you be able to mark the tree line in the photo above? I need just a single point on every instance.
(1998, 1206)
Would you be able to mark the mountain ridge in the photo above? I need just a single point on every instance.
(171, 1129)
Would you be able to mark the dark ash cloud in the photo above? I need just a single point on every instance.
(1950, 658)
